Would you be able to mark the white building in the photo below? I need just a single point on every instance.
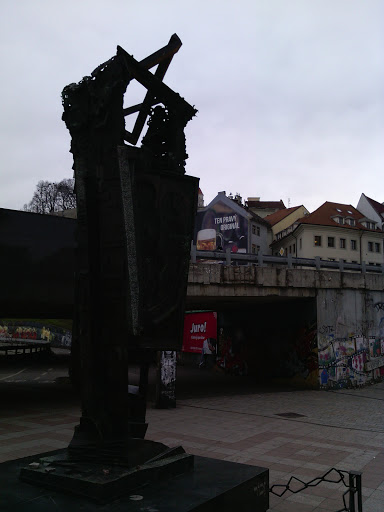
(333, 232)
(372, 210)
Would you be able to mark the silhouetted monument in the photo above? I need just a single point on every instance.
(136, 209)
(135, 216)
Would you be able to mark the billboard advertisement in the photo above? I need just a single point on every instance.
(198, 327)
(219, 228)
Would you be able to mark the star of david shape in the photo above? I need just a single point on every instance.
(157, 91)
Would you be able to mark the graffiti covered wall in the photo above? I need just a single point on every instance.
(34, 331)
(350, 337)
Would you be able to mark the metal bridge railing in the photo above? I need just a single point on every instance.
(350, 479)
(261, 260)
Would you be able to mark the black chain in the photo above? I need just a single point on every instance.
(351, 480)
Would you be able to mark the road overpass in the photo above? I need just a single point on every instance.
(322, 324)
(294, 319)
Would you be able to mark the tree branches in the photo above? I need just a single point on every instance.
(52, 197)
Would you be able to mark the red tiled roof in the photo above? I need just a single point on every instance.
(276, 217)
(379, 208)
(266, 204)
(323, 216)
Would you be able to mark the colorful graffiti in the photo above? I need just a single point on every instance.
(17, 330)
(351, 351)
(17, 333)
(343, 361)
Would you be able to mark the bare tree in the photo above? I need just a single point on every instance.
(66, 194)
(52, 197)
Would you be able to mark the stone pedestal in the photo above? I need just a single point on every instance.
(104, 481)
(212, 486)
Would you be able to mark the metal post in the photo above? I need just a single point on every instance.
(341, 265)
(317, 262)
(193, 252)
(351, 492)
(228, 256)
(358, 487)
(260, 259)
(289, 261)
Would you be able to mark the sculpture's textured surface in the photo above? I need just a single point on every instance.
(135, 220)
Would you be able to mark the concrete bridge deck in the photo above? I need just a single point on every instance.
(210, 283)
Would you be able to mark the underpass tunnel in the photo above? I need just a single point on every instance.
(271, 338)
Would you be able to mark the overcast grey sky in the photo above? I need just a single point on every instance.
(290, 93)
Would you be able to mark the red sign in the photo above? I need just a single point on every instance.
(198, 327)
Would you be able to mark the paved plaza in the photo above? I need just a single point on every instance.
(225, 418)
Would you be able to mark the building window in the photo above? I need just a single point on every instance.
(331, 241)
(317, 241)
(290, 249)
(339, 220)
(301, 243)
(257, 249)
(377, 247)
(342, 243)
(253, 229)
(253, 249)
(258, 230)
(370, 246)
(294, 248)
(353, 245)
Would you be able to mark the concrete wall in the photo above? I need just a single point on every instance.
(37, 262)
(349, 311)
(350, 335)
(220, 281)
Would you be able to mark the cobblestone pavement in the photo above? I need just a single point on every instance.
(342, 429)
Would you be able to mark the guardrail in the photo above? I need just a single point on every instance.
(17, 350)
(261, 260)
(353, 485)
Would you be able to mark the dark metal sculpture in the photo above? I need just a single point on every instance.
(135, 221)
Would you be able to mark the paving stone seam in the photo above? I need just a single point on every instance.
(282, 419)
